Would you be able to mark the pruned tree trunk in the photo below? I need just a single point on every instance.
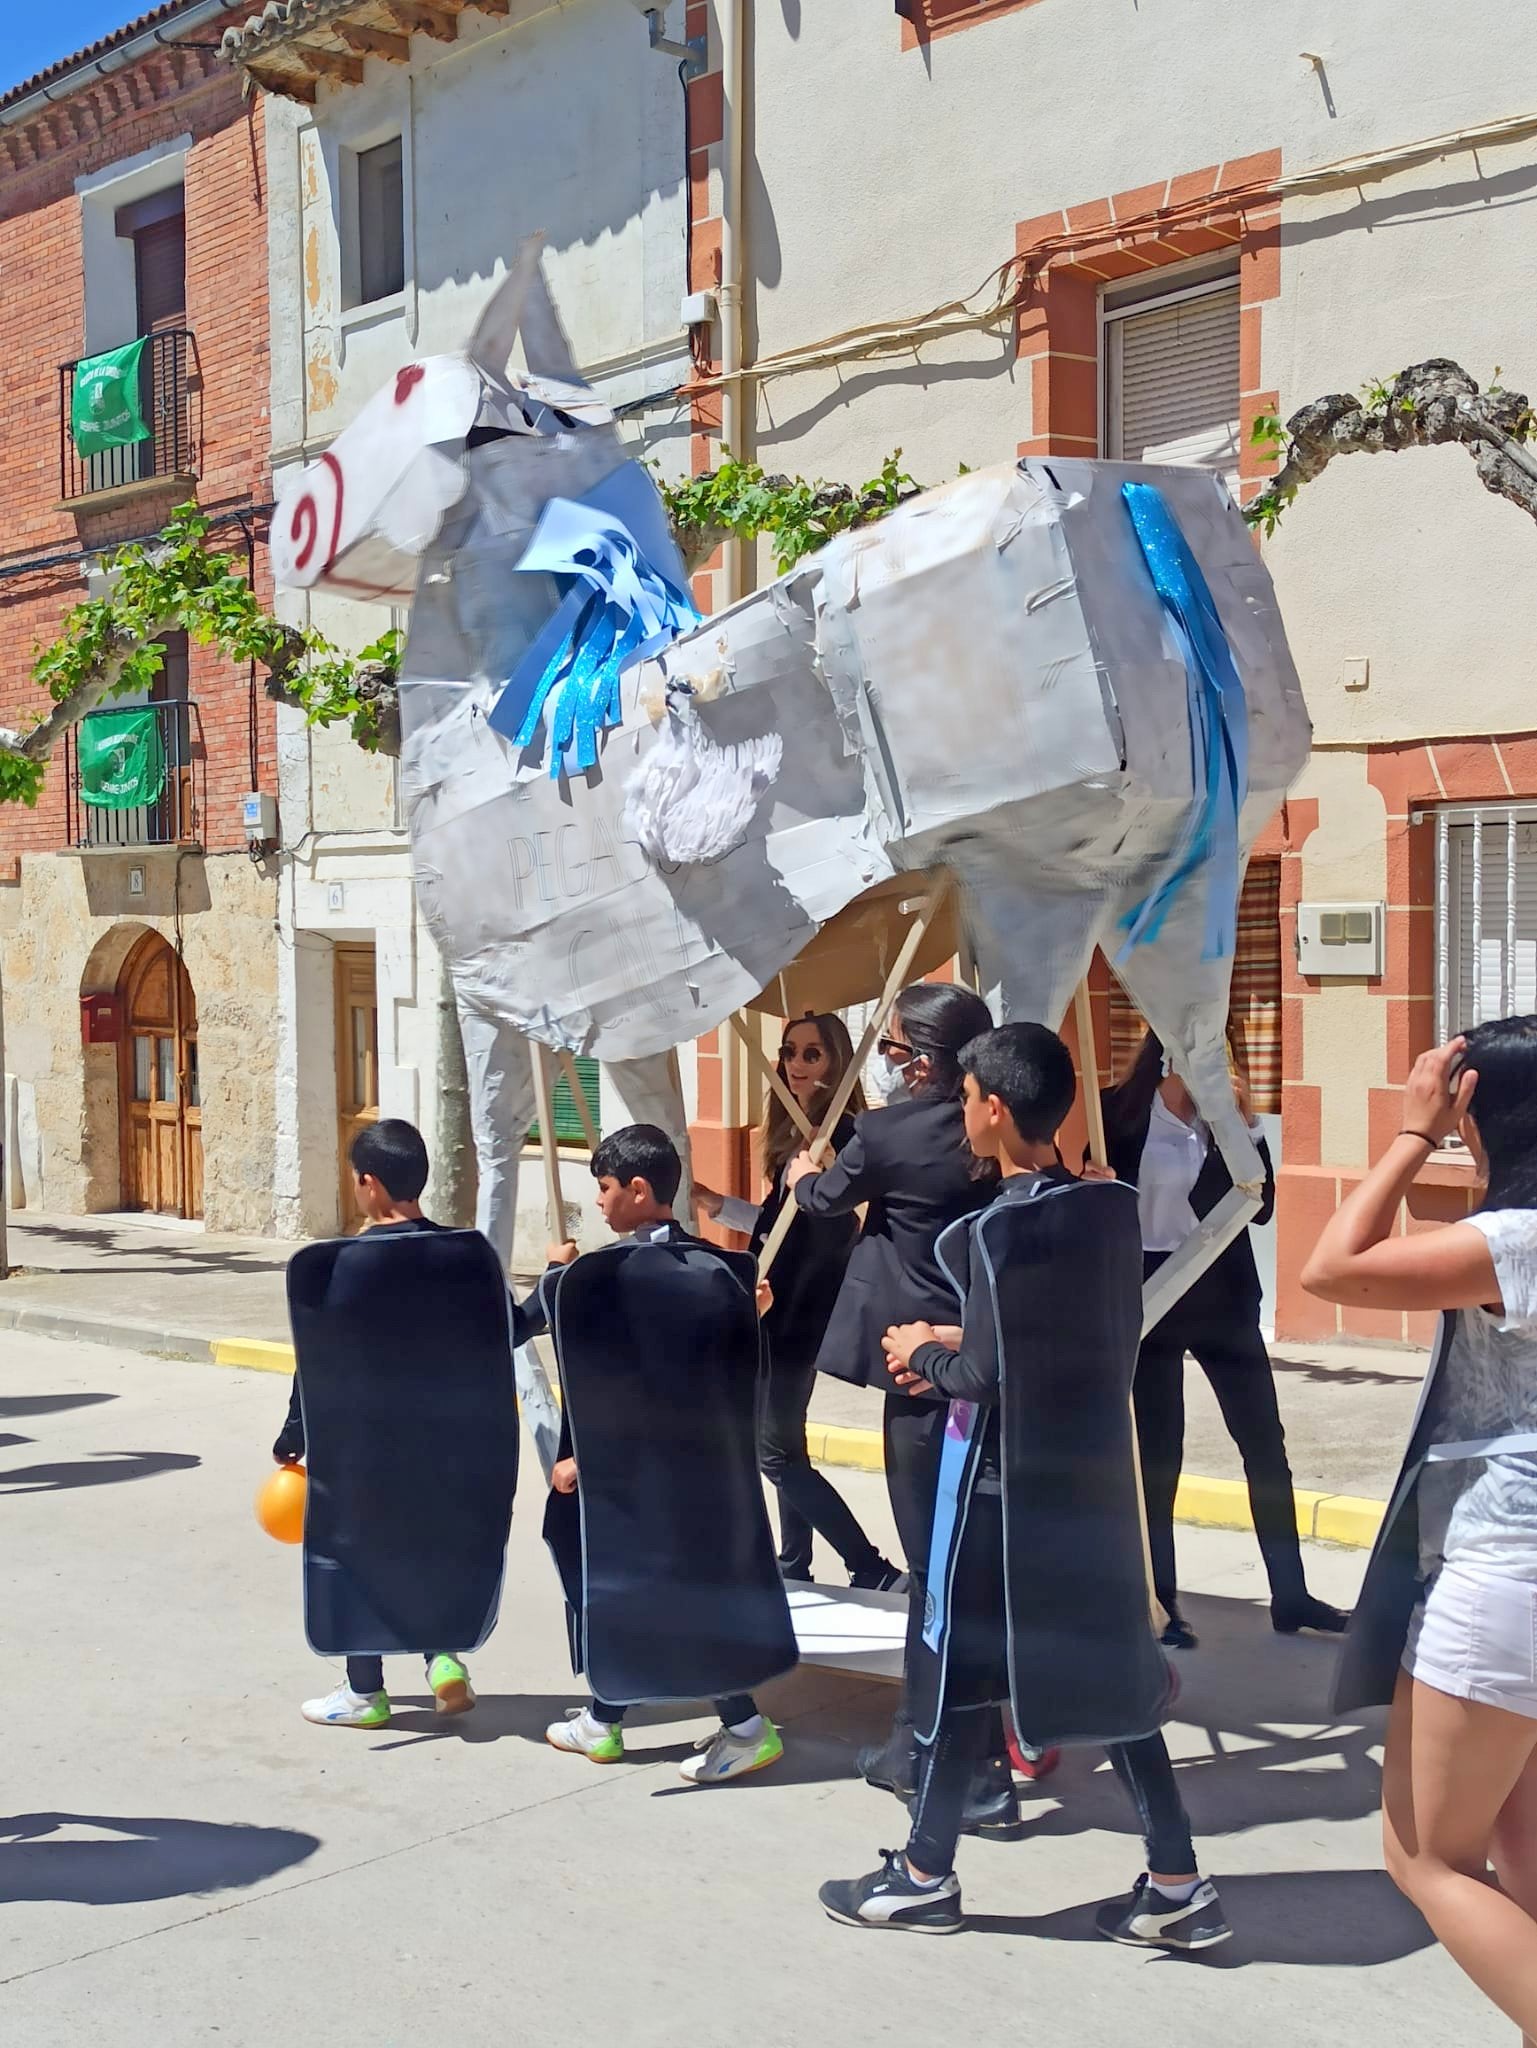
(1429, 405)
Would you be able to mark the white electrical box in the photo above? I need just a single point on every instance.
(698, 309)
(259, 814)
(1339, 938)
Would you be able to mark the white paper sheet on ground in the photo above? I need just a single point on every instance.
(850, 1629)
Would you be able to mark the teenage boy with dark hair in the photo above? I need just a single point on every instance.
(405, 1458)
(1038, 1462)
(669, 1567)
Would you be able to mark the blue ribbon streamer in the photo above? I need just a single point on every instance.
(1219, 733)
(617, 607)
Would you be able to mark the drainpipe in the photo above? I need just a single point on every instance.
(735, 432)
(730, 16)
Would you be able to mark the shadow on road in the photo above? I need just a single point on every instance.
(151, 1859)
(102, 1468)
(21, 1407)
(1312, 1918)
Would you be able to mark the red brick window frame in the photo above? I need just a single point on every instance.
(1067, 258)
(924, 21)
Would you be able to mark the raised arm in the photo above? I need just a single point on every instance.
(1358, 1260)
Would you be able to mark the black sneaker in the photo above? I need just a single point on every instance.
(1149, 1919)
(888, 1897)
(881, 1577)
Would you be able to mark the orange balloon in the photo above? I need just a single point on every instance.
(280, 1504)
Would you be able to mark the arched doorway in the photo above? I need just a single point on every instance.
(161, 1113)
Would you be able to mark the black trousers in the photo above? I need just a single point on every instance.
(947, 1766)
(914, 1433)
(809, 1503)
(1231, 1352)
(366, 1674)
(735, 1708)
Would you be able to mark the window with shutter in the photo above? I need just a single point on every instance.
(569, 1127)
(1254, 1006)
(1171, 377)
(1488, 966)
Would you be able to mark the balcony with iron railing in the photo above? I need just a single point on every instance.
(136, 775)
(170, 393)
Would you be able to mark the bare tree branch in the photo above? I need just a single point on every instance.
(1431, 404)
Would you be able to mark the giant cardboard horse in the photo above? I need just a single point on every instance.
(1061, 686)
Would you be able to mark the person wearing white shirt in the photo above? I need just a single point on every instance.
(1447, 1624)
(1159, 1143)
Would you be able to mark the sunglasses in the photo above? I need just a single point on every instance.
(809, 1056)
(899, 1053)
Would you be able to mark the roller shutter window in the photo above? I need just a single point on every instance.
(1171, 380)
(569, 1128)
(1492, 919)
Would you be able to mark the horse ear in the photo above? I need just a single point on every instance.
(522, 304)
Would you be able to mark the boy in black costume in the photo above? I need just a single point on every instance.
(1039, 1422)
(665, 1552)
(404, 1398)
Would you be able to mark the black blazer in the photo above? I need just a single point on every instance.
(1230, 1285)
(912, 1164)
(807, 1273)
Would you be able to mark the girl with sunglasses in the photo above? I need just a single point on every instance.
(814, 1057)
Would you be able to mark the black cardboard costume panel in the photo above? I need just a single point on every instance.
(1037, 1574)
(404, 1347)
(1367, 1672)
(665, 1550)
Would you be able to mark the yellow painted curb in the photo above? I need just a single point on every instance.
(255, 1353)
(830, 1443)
(1345, 1518)
(1205, 1503)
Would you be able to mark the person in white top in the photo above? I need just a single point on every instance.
(1452, 1586)
(1160, 1144)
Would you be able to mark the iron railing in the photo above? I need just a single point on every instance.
(175, 818)
(171, 398)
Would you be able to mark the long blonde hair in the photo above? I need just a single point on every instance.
(780, 1137)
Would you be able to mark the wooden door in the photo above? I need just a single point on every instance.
(161, 1122)
(357, 1063)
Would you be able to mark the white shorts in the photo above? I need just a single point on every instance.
(1474, 1636)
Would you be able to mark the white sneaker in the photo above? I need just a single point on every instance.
(732, 1756)
(345, 1708)
(601, 1742)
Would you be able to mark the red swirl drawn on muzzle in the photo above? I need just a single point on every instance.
(304, 522)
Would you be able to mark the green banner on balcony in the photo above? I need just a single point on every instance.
(122, 759)
(106, 408)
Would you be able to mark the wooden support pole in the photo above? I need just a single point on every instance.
(1094, 1113)
(769, 1075)
(544, 1097)
(901, 967)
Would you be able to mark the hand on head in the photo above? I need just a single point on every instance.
(1440, 1091)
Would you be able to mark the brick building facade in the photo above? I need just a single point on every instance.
(132, 204)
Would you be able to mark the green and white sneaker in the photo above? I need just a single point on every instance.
(345, 1708)
(733, 1756)
(601, 1742)
(451, 1686)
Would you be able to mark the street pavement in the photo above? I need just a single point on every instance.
(167, 1287)
(187, 1861)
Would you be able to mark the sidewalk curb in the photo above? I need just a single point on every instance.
(1341, 1518)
